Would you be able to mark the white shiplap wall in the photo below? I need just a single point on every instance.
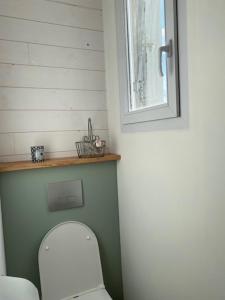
(51, 75)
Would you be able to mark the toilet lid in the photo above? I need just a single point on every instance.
(69, 261)
(96, 295)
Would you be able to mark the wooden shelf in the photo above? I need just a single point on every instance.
(57, 162)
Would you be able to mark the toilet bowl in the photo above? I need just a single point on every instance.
(14, 288)
(69, 264)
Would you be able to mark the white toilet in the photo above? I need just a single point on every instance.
(69, 264)
(13, 288)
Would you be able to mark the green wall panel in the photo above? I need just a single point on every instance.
(26, 218)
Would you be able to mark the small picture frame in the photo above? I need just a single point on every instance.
(37, 154)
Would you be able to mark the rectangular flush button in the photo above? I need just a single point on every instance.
(65, 195)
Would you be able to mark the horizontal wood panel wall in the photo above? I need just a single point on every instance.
(51, 75)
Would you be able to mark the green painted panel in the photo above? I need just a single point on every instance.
(26, 218)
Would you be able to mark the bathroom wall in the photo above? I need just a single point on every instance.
(2, 246)
(26, 218)
(51, 75)
(171, 178)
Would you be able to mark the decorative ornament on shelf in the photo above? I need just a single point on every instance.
(91, 145)
(37, 154)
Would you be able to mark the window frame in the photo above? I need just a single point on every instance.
(159, 112)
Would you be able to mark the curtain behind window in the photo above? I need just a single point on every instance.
(146, 35)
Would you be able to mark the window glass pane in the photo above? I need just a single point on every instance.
(146, 34)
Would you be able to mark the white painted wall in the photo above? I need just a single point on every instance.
(172, 181)
(51, 75)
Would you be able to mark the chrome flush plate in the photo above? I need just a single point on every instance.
(65, 195)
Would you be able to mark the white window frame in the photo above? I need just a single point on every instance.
(159, 112)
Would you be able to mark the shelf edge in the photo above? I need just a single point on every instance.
(56, 162)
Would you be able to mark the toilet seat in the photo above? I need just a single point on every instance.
(100, 294)
(70, 265)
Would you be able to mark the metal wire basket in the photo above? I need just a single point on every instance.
(91, 145)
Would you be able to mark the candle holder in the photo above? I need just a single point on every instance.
(37, 154)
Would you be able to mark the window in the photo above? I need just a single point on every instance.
(148, 60)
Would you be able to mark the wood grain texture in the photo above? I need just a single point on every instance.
(6, 144)
(13, 52)
(95, 4)
(66, 58)
(29, 121)
(41, 77)
(51, 76)
(44, 99)
(50, 56)
(49, 34)
(58, 162)
(58, 141)
(54, 13)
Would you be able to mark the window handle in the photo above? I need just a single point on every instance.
(169, 50)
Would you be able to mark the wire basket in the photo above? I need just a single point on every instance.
(91, 145)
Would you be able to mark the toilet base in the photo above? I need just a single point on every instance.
(99, 294)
